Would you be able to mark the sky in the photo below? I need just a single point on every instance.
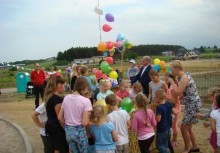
(39, 29)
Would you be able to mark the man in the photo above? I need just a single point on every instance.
(143, 76)
(38, 77)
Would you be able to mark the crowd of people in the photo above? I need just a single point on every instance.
(78, 123)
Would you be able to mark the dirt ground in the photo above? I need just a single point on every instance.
(15, 108)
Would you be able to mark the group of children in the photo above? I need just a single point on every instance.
(88, 127)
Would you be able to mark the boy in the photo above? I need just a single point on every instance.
(164, 120)
(132, 70)
(121, 120)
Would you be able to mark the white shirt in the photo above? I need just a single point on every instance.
(120, 119)
(43, 117)
(215, 114)
(144, 70)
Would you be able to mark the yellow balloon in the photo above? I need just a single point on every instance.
(102, 103)
(156, 61)
(102, 46)
(130, 45)
(59, 70)
(113, 75)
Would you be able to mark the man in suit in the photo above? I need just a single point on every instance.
(143, 76)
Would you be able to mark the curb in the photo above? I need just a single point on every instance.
(23, 134)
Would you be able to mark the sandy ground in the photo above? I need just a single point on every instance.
(18, 110)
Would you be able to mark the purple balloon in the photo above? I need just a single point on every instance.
(109, 17)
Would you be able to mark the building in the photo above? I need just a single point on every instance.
(97, 59)
(83, 61)
(167, 53)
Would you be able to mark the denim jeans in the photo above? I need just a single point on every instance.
(162, 140)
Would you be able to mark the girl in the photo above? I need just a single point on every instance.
(123, 92)
(143, 122)
(104, 132)
(104, 89)
(155, 85)
(136, 89)
(176, 101)
(75, 76)
(215, 119)
(74, 116)
(53, 101)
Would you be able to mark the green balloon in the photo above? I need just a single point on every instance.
(104, 66)
(107, 70)
(127, 104)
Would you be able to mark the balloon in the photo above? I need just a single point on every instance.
(104, 76)
(110, 45)
(163, 69)
(102, 103)
(102, 46)
(107, 70)
(104, 66)
(157, 61)
(157, 67)
(106, 54)
(126, 44)
(109, 17)
(113, 75)
(111, 54)
(98, 74)
(106, 27)
(120, 49)
(120, 37)
(127, 104)
(98, 10)
(109, 60)
(120, 43)
(59, 71)
(130, 45)
(162, 63)
(115, 44)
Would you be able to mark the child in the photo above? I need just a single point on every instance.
(104, 89)
(52, 100)
(213, 136)
(93, 76)
(136, 89)
(104, 132)
(39, 117)
(164, 120)
(74, 114)
(132, 70)
(123, 92)
(121, 120)
(75, 75)
(176, 101)
(85, 73)
(143, 122)
(155, 85)
(215, 119)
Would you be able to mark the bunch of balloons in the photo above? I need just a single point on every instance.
(106, 70)
(160, 65)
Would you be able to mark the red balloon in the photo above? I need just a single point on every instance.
(104, 76)
(98, 74)
(110, 45)
(109, 60)
(106, 27)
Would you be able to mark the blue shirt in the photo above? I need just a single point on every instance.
(103, 136)
(102, 95)
(165, 110)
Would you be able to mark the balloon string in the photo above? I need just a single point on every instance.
(99, 25)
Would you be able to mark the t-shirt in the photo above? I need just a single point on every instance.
(50, 107)
(141, 124)
(215, 114)
(122, 94)
(103, 136)
(154, 88)
(73, 107)
(133, 95)
(165, 110)
(43, 117)
(132, 71)
(120, 119)
(102, 95)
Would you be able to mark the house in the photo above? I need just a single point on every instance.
(167, 53)
(97, 59)
(83, 61)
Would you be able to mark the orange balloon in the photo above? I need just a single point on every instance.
(102, 46)
(162, 63)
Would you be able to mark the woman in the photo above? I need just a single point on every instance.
(53, 101)
(190, 97)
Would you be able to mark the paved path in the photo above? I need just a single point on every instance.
(13, 139)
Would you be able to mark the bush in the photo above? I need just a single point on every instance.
(61, 62)
(14, 68)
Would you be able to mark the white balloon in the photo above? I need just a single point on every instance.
(98, 10)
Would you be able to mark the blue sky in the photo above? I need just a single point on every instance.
(38, 29)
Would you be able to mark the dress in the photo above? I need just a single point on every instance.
(192, 102)
(53, 127)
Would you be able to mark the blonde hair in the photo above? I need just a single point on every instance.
(123, 83)
(51, 86)
(141, 101)
(97, 113)
(73, 70)
(161, 94)
(137, 87)
(153, 72)
(177, 64)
